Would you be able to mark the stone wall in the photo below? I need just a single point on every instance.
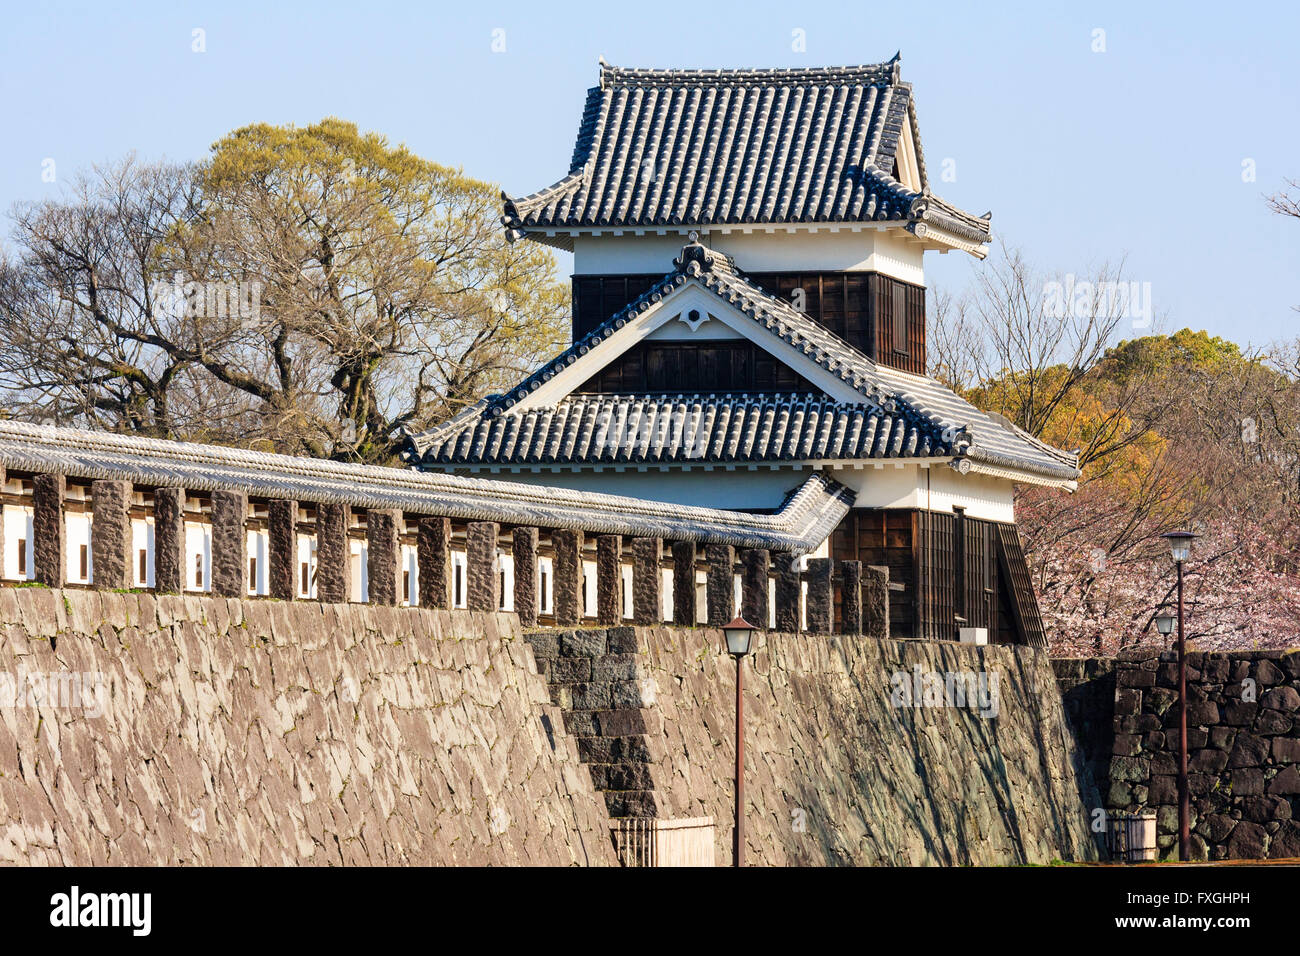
(835, 772)
(168, 730)
(1243, 720)
(1087, 686)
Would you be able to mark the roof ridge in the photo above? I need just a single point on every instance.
(886, 73)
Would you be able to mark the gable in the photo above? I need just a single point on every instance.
(891, 412)
(907, 160)
(689, 314)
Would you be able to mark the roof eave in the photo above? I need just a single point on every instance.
(1021, 471)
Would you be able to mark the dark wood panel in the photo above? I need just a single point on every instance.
(857, 306)
(697, 367)
(936, 559)
(883, 537)
(950, 567)
(898, 317)
(1020, 587)
(977, 577)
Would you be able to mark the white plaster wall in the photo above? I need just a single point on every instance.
(77, 537)
(936, 488)
(306, 555)
(889, 251)
(711, 329)
(889, 485)
(258, 547)
(458, 579)
(142, 540)
(588, 588)
(358, 572)
(18, 535)
(506, 575)
(198, 555)
(411, 567)
(666, 590)
(719, 488)
(545, 586)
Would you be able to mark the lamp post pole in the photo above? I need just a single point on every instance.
(1184, 798)
(739, 851)
(739, 635)
(1180, 549)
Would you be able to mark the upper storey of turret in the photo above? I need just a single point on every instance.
(735, 150)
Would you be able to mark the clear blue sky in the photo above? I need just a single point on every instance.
(1083, 156)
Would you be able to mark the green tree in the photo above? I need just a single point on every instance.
(391, 298)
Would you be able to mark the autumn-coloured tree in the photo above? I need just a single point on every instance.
(1172, 430)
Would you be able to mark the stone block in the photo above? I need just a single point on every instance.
(1246, 782)
(282, 539)
(684, 583)
(524, 550)
(614, 667)
(583, 644)
(647, 581)
(333, 554)
(567, 564)
(544, 644)
(1207, 761)
(49, 533)
(1264, 809)
(230, 543)
(1248, 841)
(1286, 783)
(383, 556)
(482, 574)
(875, 602)
(1285, 699)
(755, 564)
(621, 723)
(850, 597)
(169, 540)
(621, 640)
(820, 596)
(110, 534)
(1273, 722)
(1286, 750)
(1248, 750)
(609, 579)
(720, 589)
(788, 596)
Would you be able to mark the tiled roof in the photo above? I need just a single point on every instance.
(621, 429)
(806, 517)
(940, 416)
(704, 147)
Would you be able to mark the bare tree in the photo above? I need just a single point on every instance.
(1284, 203)
(314, 289)
(77, 321)
(1026, 345)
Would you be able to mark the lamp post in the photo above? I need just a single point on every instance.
(740, 638)
(1180, 548)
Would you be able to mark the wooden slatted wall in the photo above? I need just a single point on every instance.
(1020, 589)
